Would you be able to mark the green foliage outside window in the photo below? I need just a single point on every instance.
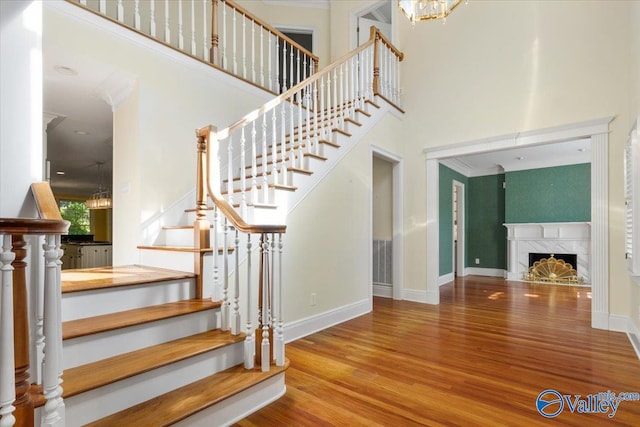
(77, 214)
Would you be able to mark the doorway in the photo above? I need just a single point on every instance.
(379, 15)
(386, 231)
(458, 229)
(295, 71)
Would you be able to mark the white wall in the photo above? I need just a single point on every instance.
(154, 139)
(21, 120)
(382, 199)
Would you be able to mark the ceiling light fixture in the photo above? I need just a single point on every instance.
(423, 10)
(80, 132)
(101, 199)
(64, 70)
(60, 173)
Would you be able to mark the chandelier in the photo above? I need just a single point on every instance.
(101, 199)
(422, 10)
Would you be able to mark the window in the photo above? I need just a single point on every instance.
(77, 214)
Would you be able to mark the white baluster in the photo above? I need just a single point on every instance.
(279, 338)
(120, 11)
(244, 47)
(274, 148)
(180, 26)
(283, 139)
(300, 96)
(136, 14)
(224, 35)
(308, 93)
(152, 23)
(235, 43)
(265, 349)
(265, 161)
(7, 361)
(342, 92)
(298, 73)
(224, 308)
(230, 195)
(102, 7)
(243, 178)
(269, 66)
(262, 56)
(235, 314)
(291, 78)
(53, 414)
(167, 28)
(253, 51)
(327, 110)
(194, 48)
(83, 2)
(254, 165)
(58, 271)
(336, 100)
(249, 345)
(316, 130)
(322, 107)
(217, 291)
(205, 34)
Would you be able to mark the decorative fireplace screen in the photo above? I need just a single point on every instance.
(552, 270)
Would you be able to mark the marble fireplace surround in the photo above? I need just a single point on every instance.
(548, 237)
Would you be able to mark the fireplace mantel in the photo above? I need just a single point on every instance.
(548, 237)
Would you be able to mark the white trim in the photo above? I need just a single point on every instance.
(446, 278)
(597, 130)
(488, 272)
(464, 169)
(312, 324)
(618, 323)
(536, 137)
(397, 245)
(634, 336)
(414, 295)
(384, 291)
(459, 249)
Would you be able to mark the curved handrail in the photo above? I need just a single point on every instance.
(292, 91)
(204, 137)
(271, 29)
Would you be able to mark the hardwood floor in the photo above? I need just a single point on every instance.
(481, 357)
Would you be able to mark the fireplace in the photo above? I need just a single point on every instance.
(540, 239)
(567, 258)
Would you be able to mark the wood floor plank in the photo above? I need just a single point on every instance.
(122, 319)
(108, 371)
(176, 405)
(481, 358)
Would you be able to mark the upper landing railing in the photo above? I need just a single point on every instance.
(217, 32)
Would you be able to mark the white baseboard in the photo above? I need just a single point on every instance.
(414, 295)
(600, 320)
(489, 272)
(618, 323)
(385, 291)
(307, 326)
(634, 336)
(446, 278)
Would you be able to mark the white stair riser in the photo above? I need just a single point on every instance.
(87, 349)
(181, 261)
(78, 305)
(179, 237)
(98, 403)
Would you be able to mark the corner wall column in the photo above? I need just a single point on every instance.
(599, 231)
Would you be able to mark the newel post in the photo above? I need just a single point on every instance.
(213, 56)
(376, 60)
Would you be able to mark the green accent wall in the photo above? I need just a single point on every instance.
(486, 236)
(556, 194)
(446, 178)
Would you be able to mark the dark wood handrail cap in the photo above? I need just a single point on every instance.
(33, 226)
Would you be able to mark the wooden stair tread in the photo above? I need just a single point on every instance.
(110, 277)
(331, 143)
(108, 322)
(315, 156)
(107, 371)
(183, 402)
(175, 248)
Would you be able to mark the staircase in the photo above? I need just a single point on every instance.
(194, 334)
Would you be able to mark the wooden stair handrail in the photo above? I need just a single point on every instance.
(375, 35)
(209, 181)
(271, 29)
(45, 201)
